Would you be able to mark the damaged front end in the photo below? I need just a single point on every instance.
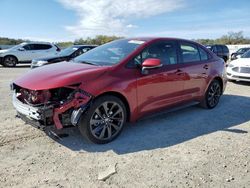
(61, 107)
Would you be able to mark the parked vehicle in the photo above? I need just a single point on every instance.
(239, 69)
(239, 53)
(221, 51)
(120, 81)
(64, 55)
(25, 52)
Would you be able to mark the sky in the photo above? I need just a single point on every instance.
(67, 20)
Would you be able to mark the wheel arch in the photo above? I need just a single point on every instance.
(11, 56)
(219, 79)
(121, 97)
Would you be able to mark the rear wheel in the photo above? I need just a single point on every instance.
(212, 96)
(104, 120)
(9, 61)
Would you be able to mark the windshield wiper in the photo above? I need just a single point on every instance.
(85, 62)
(89, 63)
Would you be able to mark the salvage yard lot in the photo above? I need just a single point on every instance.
(188, 148)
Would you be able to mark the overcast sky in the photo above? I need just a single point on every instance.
(62, 20)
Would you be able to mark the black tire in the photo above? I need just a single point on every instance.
(212, 96)
(104, 122)
(9, 61)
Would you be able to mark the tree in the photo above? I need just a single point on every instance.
(98, 40)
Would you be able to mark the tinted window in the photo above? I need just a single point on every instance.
(225, 49)
(219, 49)
(189, 52)
(214, 49)
(28, 47)
(42, 46)
(165, 51)
(203, 54)
(83, 50)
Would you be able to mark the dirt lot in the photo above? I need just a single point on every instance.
(191, 147)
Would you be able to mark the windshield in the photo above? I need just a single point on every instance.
(246, 55)
(243, 50)
(68, 51)
(110, 53)
(18, 46)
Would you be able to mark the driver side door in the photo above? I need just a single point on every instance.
(161, 87)
(27, 54)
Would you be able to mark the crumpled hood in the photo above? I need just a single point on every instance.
(241, 62)
(59, 75)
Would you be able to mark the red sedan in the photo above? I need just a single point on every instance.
(120, 81)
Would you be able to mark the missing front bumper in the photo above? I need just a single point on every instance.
(43, 116)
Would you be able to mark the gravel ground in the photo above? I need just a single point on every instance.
(192, 147)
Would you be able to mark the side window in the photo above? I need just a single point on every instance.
(203, 54)
(83, 50)
(27, 47)
(42, 46)
(219, 49)
(225, 49)
(214, 49)
(77, 53)
(46, 46)
(165, 51)
(189, 52)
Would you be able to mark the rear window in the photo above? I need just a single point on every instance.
(225, 49)
(219, 48)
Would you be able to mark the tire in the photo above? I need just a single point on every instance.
(10, 61)
(102, 126)
(212, 96)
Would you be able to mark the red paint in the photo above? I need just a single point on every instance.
(79, 99)
(161, 88)
(151, 62)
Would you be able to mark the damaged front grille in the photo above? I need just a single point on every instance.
(55, 106)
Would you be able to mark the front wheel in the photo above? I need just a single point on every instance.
(104, 120)
(9, 61)
(212, 95)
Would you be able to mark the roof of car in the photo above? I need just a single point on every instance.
(147, 39)
(36, 42)
(85, 45)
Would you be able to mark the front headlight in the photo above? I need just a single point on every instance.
(230, 65)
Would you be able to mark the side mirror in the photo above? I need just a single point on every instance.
(21, 49)
(151, 63)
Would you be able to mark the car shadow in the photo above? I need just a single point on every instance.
(169, 129)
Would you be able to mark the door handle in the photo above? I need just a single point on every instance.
(205, 67)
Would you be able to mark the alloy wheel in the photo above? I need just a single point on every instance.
(214, 94)
(10, 61)
(107, 120)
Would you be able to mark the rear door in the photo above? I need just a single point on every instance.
(195, 66)
(43, 50)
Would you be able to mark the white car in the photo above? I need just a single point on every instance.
(239, 69)
(25, 52)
